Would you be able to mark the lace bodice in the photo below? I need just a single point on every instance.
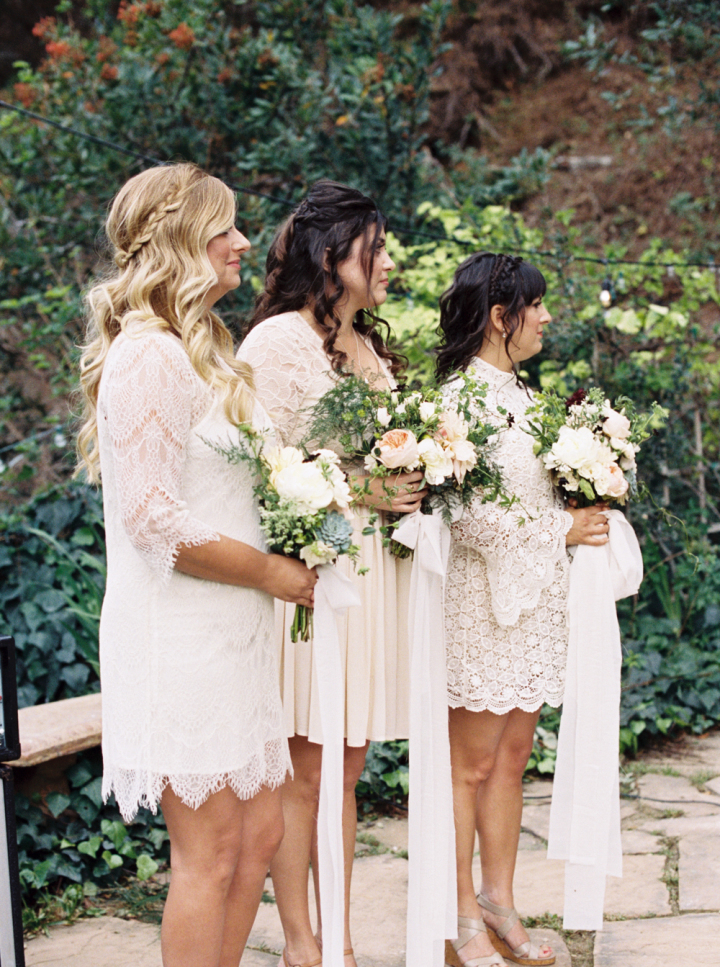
(291, 371)
(188, 668)
(512, 564)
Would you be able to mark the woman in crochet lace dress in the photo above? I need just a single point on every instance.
(192, 719)
(327, 269)
(505, 607)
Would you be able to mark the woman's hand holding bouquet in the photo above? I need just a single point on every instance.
(300, 501)
(410, 443)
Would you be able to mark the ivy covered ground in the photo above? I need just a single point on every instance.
(357, 94)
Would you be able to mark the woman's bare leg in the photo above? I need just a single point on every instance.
(474, 739)
(290, 868)
(499, 815)
(262, 821)
(353, 765)
(207, 846)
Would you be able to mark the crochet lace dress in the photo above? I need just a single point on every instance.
(292, 372)
(188, 666)
(507, 584)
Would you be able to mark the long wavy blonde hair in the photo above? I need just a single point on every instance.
(159, 226)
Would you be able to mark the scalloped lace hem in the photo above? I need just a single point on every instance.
(136, 788)
(554, 700)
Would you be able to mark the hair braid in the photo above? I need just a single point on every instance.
(170, 203)
(503, 280)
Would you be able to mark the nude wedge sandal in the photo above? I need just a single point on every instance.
(284, 962)
(526, 954)
(467, 929)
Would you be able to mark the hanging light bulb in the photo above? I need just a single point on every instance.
(607, 293)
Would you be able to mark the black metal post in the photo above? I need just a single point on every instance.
(12, 953)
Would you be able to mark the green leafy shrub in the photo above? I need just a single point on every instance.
(385, 779)
(52, 580)
(76, 838)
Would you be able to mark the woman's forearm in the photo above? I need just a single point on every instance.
(228, 561)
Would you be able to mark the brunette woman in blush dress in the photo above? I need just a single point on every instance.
(327, 271)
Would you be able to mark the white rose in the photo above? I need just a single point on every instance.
(437, 463)
(604, 454)
(600, 476)
(328, 463)
(617, 486)
(427, 410)
(383, 417)
(305, 486)
(317, 553)
(279, 458)
(614, 423)
(463, 456)
(574, 448)
(627, 458)
(400, 409)
(452, 427)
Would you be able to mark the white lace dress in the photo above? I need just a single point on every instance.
(507, 585)
(292, 372)
(188, 666)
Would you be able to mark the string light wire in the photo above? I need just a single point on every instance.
(557, 255)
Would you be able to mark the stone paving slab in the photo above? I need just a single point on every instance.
(675, 792)
(699, 871)
(105, 942)
(685, 941)
(639, 841)
(379, 904)
(540, 886)
(683, 825)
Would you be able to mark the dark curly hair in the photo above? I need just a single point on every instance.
(302, 265)
(482, 281)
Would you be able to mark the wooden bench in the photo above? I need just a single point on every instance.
(50, 737)
(58, 729)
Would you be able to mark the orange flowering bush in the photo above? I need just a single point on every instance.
(182, 37)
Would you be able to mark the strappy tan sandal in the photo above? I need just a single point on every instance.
(526, 954)
(346, 953)
(284, 962)
(467, 929)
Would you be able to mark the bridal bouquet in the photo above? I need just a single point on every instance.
(590, 446)
(393, 431)
(298, 496)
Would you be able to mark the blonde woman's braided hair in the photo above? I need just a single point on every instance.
(168, 205)
(159, 226)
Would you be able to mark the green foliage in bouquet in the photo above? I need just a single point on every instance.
(445, 435)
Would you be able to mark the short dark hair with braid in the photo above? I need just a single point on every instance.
(302, 265)
(482, 281)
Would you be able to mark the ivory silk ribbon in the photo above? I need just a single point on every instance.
(585, 810)
(333, 593)
(432, 896)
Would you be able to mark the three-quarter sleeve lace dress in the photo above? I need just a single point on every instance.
(292, 371)
(188, 666)
(507, 584)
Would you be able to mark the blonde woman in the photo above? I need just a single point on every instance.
(192, 719)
